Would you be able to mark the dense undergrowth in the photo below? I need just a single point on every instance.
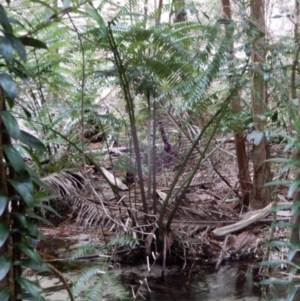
(131, 111)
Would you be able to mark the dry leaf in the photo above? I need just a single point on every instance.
(161, 194)
(113, 180)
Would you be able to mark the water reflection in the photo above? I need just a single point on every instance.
(233, 281)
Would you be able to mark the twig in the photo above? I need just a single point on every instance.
(142, 282)
(224, 180)
(223, 250)
(112, 219)
(63, 280)
(66, 220)
(184, 257)
(190, 271)
(164, 254)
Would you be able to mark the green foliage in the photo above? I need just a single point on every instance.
(180, 69)
(84, 250)
(17, 229)
(123, 240)
(97, 274)
(175, 69)
(83, 287)
(289, 249)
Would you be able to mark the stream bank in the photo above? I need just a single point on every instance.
(232, 281)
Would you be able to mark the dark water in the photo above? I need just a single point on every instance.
(233, 281)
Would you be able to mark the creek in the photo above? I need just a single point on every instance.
(232, 281)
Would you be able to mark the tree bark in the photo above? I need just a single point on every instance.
(159, 11)
(262, 174)
(180, 12)
(295, 229)
(4, 218)
(239, 139)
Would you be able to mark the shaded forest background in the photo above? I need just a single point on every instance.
(145, 118)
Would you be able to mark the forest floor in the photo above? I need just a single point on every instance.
(212, 201)
(92, 228)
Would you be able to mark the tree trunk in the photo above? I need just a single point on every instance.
(4, 218)
(295, 229)
(239, 139)
(262, 174)
(159, 11)
(180, 12)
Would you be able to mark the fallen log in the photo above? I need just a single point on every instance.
(256, 216)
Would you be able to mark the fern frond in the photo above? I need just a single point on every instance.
(119, 290)
(124, 240)
(95, 292)
(82, 251)
(85, 277)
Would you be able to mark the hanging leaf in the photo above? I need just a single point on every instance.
(35, 179)
(33, 242)
(31, 141)
(4, 21)
(27, 223)
(37, 217)
(95, 15)
(11, 124)
(49, 208)
(26, 111)
(32, 264)
(30, 253)
(42, 196)
(16, 22)
(27, 41)
(5, 294)
(5, 263)
(20, 67)
(19, 73)
(44, 238)
(31, 288)
(33, 156)
(17, 45)
(3, 202)
(6, 49)
(23, 186)
(4, 232)
(8, 85)
(15, 159)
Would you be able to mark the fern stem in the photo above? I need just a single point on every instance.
(182, 190)
(149, 148)
(129, 102)
(154, 160)
(215, 64)
(82, 87)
